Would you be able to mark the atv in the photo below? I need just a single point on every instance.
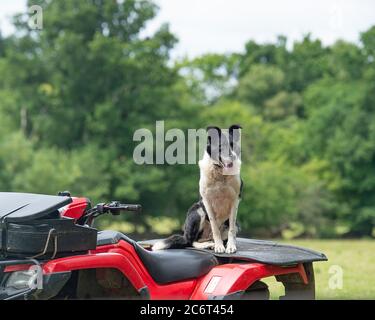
(49, 250)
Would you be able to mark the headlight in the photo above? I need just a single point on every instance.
(26, 279)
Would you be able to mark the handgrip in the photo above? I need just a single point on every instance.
(132, 207)
(116, 207)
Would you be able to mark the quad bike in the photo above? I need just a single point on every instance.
(49, 250)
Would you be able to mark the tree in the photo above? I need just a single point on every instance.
(259, 84)
(210, 76)
(341, 130)
(77, 90)
(72, 95)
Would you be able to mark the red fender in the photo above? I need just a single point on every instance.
(230, 278)
(76, 208)
(122, 256)
(95, 261)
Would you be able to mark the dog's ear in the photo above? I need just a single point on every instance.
(213, 138)
(234, 127)
(213, 134)
(235, 137)
(214, 129)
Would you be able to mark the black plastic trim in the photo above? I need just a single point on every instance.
(52, 284)
(21, 207)
(232, 296)
(144, 293)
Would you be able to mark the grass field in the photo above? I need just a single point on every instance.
(356, 258)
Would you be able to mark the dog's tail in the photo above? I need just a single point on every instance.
(173, 242)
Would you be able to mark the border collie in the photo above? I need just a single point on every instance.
(212, 220)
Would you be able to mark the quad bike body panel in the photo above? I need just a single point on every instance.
(211, 277)
(119, 267)
(21, 207)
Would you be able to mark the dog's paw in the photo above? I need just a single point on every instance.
(231, 247)
(219, 248)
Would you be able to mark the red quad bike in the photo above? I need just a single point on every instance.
(50, 251)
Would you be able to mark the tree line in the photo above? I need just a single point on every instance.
(73, 94)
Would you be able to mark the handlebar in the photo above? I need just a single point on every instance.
(116, 207)
(113, 207)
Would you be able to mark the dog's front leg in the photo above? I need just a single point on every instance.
(232, 232)
(219, 246)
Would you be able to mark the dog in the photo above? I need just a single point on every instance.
(212, 220)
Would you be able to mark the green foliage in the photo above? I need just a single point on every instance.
(272, 195)
(209, 76)
(260, 83)
(72, 95)
(341, 130)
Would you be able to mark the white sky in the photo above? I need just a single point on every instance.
(226, 25)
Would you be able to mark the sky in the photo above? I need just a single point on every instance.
(221, 26)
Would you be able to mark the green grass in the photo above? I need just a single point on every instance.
(356, 258)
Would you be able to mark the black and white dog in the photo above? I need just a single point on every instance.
(212, 219)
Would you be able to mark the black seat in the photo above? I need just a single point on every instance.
(166, 266)
(176, 264)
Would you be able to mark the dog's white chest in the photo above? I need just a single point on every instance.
(221, 192)
(228, 188)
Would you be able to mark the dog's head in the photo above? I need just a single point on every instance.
(223, 145)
